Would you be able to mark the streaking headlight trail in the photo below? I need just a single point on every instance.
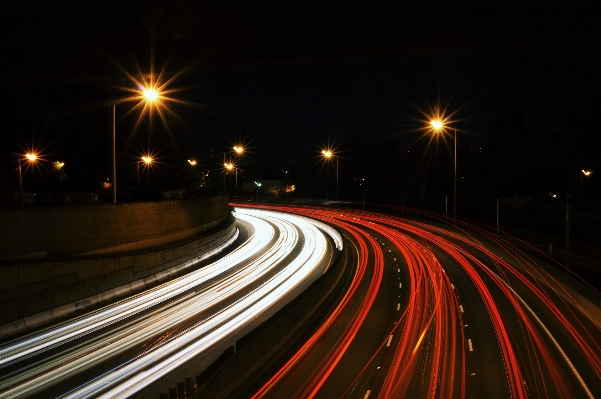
(209, 305)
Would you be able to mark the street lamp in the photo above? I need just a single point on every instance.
(438, 127)
(31, 158)
(147, 160)
(148, 95)
(328, 154)
(258, 184)
(239, 150)
(228, 168)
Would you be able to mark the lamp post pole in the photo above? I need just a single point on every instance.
(22, 202)
(114, 144)
(138, 181)
(337, 156)
(455, 179)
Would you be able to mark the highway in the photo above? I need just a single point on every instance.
(440, 309)
(122, 349)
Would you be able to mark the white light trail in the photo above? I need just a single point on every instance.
(261, 256)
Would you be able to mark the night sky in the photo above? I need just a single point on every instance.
(288, 79)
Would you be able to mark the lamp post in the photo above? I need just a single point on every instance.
(437, 126)
(147, 160)
(258, 184)
(328, 154)
(149, 95)
(228, 168)
(31, 158)
(239, 151)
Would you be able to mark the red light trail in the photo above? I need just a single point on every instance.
(546, 346)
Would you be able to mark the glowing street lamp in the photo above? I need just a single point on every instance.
(192, 162)
(147, 160)
(328, 154)
(586, 172)
(149, 95)
(30, 157)
(228, 168)
(437, 126)
(239, 150)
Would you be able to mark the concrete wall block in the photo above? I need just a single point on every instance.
(59, 296)
(140, 262)
(4, 296)
(155, 258)
(30, 273)
(102, 283)
(10, 276)
(27, 306)
(120, 277)
(168, 254)
(126, 261)
(137, 276)
(89, 287)
(10, 312)
(62, 268)
(112, 265)
(85, 268)
(68, 279)
(72, 292)
(17, 293)
(178, 252)
(38, 288)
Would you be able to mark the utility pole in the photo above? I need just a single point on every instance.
(114, 156)
(567, 235)
(455, 180)
(446, 206)
(22, 204)
(337, 177)
(498, 211)
(363, 200)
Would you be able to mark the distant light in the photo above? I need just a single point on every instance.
(58, 165)
(150, 94)
(229, 166)
(587, 172)
(436, 124)
(553, 195)
(239, 149)
(258, 184)
(31, 156)
(327, 153)
(147, 160)
(192, 162)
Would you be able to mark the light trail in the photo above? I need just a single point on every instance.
(427, 353)
(211, 304)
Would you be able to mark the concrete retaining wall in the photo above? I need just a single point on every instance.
(39, 291)
(86, 229)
